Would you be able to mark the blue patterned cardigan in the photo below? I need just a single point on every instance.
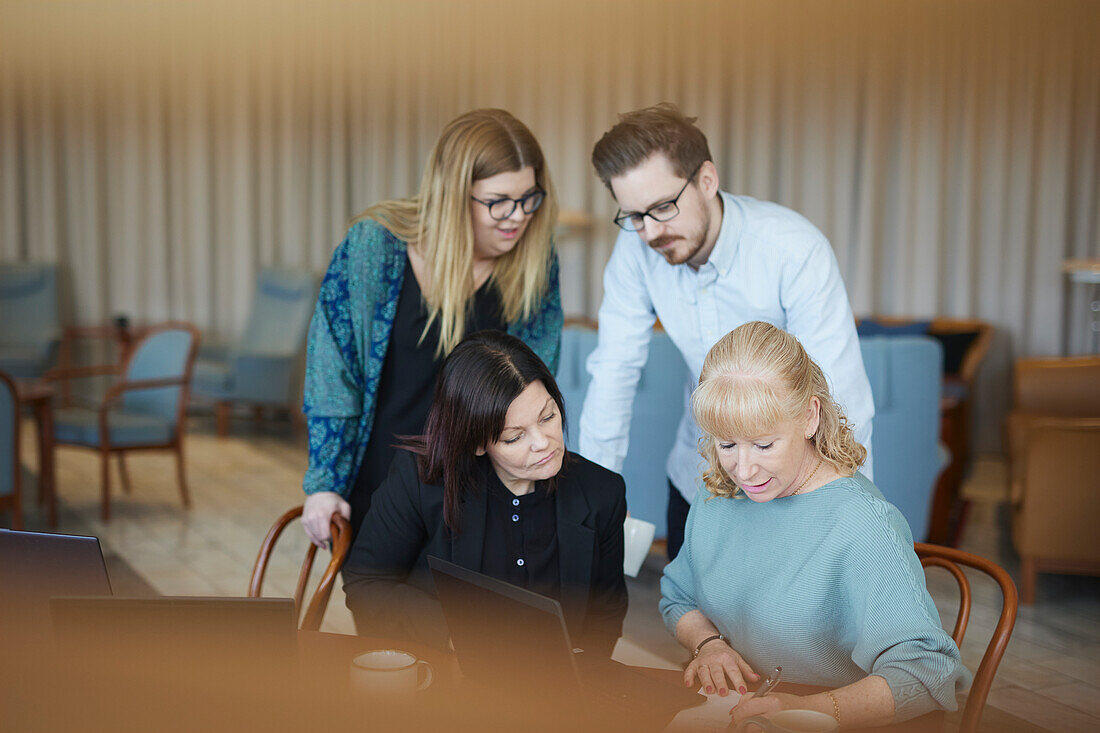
(348, 338)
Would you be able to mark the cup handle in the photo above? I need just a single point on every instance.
(427, 677)
(758, 720)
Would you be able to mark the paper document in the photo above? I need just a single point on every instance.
(713, 715)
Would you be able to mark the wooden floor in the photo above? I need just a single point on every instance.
(1050, 675)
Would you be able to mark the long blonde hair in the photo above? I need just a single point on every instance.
(477, 145)
(754, 378)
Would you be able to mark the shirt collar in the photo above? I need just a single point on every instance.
(729, 236)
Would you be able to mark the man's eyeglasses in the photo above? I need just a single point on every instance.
(661, 212)
(501, 209)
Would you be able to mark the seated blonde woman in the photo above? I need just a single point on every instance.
(795, 559)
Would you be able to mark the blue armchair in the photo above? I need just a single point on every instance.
(905, 376)
(260, 369)
(10, 469)
(906, 380)
(28, 311)
(142, 411)
(657, 409)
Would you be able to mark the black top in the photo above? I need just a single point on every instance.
(389, 584)
(407, 381)
(521, 538)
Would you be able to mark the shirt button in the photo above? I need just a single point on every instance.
(520, 562)
(515, 502)
(515, 517)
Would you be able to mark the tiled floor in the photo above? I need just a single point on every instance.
(1050, 675)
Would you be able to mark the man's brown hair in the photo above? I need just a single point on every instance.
(641, 133)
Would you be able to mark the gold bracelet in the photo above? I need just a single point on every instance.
(836, 706)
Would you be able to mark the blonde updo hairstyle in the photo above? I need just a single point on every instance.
(753, 379)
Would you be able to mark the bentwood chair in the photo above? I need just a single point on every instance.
(341, 543)
(144, 410)
(11, 486)
(950, 559)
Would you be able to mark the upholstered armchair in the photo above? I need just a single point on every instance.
(658, 406)
(1054, 444)
(965, 344)
(10, 469)
(30, 328)
(905, 376)
(260, 369)
(143, 410)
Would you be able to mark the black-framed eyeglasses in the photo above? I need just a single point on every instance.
(663, 211)
(501, 209)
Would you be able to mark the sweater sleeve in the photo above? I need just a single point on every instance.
(678, 580)
(333, 383)
(542, 332)
(894, 624)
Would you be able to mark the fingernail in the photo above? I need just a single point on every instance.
(723, 691)
(687, 684)
(742, 689)
(710, 690)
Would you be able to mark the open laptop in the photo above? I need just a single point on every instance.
(503, 633)
(34, 566)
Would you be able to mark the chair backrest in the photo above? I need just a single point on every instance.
(167, 351)
(281, 308)
(950, 559)
(658, 407)
(28, 304)
(10, 470)
(1058, 386)
(341, 543)
(906, 378)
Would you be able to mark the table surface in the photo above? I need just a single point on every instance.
(40, 691)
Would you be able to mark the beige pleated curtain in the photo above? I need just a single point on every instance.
(163, 152)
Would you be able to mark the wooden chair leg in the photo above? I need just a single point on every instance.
(105, 481)
(184, 493)
(124, 475)
(221, 418)
(1028, 573)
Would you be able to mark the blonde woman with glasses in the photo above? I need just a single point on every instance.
(472, 251)
(795, 559)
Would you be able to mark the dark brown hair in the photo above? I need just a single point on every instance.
(475, 388)
(641, 133)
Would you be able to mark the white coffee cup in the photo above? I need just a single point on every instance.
(637, 538)
(790, 721)
(389, 673)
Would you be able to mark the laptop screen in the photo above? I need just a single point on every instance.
(34, 566)
(497, 629)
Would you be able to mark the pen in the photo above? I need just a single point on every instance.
(765, 687)
(769, 684)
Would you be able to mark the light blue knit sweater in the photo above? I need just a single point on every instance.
(824, 584)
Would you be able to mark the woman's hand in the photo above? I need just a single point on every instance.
(716, 663)
(773, 702)
(317, 515)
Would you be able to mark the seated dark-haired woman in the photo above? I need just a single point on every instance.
(490, 486)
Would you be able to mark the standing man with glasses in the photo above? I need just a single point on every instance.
(704, 262)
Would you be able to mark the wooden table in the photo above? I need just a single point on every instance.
(39, 395)
(316, 696)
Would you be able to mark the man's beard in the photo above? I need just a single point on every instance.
(676, 256)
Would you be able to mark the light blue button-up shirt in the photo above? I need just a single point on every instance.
(769, 264)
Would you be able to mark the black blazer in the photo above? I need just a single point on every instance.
(389, 585)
